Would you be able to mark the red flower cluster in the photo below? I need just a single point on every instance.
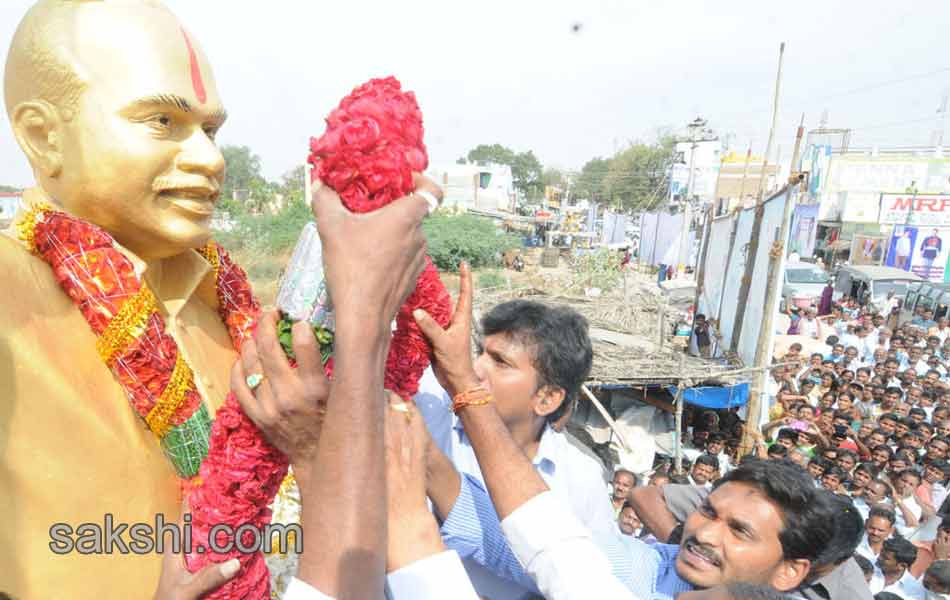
(99, 279)
(240, 477)
(372, 145)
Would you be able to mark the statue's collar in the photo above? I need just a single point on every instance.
(173, 280)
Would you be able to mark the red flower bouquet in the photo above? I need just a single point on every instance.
(372, 145)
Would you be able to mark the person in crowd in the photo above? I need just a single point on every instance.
(834, 576)
(704, 471)
(897, 555)
(628, 522)
(878, 527)
(622, 483)
(937, 581)
(866, 566)
(533, 361)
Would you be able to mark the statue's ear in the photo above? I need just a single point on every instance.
(38, 128)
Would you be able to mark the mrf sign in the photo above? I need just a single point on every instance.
(919, 209)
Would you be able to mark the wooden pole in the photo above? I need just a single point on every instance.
(759, 209)
(662, 323)
(764, 345)
(701, 268)
(678, 440)
(603, 412)
(745, 172)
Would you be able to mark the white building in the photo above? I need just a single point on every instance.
(474, 186)
(9, 203)
(705, 169)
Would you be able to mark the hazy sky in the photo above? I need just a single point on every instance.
(515, 72)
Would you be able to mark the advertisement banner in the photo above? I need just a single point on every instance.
(920, 250)
(924, 210)
(867, 250)
(804, 228)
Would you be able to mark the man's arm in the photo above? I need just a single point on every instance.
(650, 505)
(512, 480)
(371, 264)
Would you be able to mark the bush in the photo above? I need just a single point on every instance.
(599, 268)
(268, 234)
(491, 279)
(454, 238)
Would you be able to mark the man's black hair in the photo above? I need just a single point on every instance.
(787, 433)
(883, 447)
(903, 550)
(887, 596)
(558, 339)
(707, 459)
(940, 570)
(847, 452)
(883, 512)
(918, 411)
(913, 472)
(864, 564)
(836, 471)
(753, 591)
(778, 450)
(848, 529)
(808, 522)
(869, 468)
(716, 437)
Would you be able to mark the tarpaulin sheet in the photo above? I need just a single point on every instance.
(716, 397)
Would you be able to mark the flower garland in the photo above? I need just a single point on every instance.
(372, 146)
(240, 473)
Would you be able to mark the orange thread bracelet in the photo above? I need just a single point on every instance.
(476, 396)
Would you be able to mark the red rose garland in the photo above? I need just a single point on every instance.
(372, 145)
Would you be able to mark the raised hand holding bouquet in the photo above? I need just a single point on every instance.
(368, 154)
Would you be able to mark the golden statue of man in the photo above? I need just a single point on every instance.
(115, 106)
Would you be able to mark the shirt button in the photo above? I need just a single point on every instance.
(207, 382)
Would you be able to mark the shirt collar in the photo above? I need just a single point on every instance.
(547, 456)
(173, 280)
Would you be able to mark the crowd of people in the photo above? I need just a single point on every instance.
(867, 420)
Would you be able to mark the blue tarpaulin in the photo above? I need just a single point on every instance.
(716, 397)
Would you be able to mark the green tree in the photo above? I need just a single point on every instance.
(553, 176)
(637, 178)
(525, 166)
(243, 176)
(8, 189)
(590, 182)
(454, 238)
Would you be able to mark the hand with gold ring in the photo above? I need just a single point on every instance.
(413, 531)
(286, 404)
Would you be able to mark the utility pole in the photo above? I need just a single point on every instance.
(759, 210)
(701, 267)
(745, 172)
(763, 346)
(697, 125)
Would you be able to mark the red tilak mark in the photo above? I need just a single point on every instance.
(196, 80)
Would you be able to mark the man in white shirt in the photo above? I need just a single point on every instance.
(893, 575)
(878, 527)
(810, 325)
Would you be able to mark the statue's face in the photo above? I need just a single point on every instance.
(139, 157)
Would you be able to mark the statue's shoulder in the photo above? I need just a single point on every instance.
(23, 274)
